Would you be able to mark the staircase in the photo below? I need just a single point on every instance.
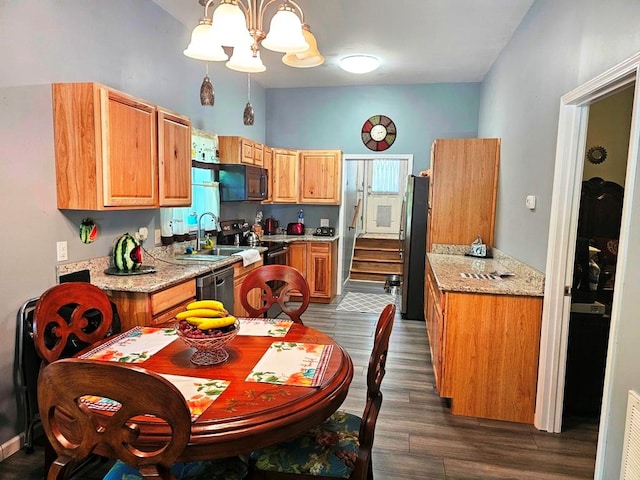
(375, 258)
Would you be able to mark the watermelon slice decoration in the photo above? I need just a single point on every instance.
(127, 253)
(88, 231)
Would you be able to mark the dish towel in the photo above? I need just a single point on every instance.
(249, 256)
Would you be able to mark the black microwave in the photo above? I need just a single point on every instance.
(240, 183)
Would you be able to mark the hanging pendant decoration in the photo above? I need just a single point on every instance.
(248, 115)
(207, 95)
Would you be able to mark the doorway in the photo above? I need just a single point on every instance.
(569, 168)
(352, 209)
(595, 259)
(383, 183)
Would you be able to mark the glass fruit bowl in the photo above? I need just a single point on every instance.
(209, 348)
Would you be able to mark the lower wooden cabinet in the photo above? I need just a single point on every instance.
(239, 274)
(318, 263)
(484, 350)
(137, 308)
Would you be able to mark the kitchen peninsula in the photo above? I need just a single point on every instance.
(483, 322)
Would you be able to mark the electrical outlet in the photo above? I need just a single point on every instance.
(143, 233)
(158, 236)
(324, 222)
(530, 202)
(62, 253)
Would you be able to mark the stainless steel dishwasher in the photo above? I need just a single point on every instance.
(217, 285)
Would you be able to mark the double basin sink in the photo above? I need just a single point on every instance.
(211, 254)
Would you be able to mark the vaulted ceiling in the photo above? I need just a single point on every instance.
(417, 41)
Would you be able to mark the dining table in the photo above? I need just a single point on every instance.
(248, 409)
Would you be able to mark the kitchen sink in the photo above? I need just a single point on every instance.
(211, 254)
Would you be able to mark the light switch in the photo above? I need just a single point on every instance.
(61, 251)
(530, 202)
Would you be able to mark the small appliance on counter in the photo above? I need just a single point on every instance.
(295, 229)
(324, 232)
(270, 226)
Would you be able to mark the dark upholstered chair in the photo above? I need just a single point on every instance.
(277, 283)
(61, 386)
(341, 446)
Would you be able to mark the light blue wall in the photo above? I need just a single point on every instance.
(130, 45)
(332, 118)
(560, 45)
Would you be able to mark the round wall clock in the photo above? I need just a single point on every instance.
(378, 133)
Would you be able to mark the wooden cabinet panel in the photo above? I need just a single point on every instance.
(435, 326)
(285, 176)
(106, 147)
(297, 256)
(469, 168)
(239, 274)
(174, 159)
(321, 176)
(137, 308)
(491, 358)
(258, 155)
(318, 263)
(240, 150)
(268, 164)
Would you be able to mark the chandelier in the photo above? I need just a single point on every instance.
(239, 24)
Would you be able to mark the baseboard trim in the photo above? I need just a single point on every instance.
(11, 446)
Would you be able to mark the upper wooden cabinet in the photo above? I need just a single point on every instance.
(306, 176)
(284, 176)
(321, 176)
(462, 191)
(174, 139)
(268, 164)
(106, 147)
(240, 150)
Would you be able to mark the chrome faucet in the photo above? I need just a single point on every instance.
(216, 219)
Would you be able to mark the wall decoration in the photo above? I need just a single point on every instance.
(597, 154)
(378, 133)
(88, 230)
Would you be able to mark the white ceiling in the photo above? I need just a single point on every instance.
(418, 41)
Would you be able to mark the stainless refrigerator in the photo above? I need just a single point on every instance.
(413, 244)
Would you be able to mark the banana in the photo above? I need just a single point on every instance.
(201, 312)
(210, 304)
(216, 322)
(195, 320)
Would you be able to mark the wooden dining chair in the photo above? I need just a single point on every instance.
(341, 446)
(277, 284)
(68, 317)
(63, 387)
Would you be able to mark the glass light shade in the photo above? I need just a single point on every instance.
(203, 45)
(229, 24)
(243, 60)
(307, 59)
(359, 63)
(285, 32)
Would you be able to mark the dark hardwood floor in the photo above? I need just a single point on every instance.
(416, 436)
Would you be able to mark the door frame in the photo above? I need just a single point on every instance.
(365, 157)
(569, 164)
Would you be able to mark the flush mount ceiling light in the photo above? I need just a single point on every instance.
(359, 63)
(239, 24)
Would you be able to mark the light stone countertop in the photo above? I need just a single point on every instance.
(307, 237)
(169, 271)
(448, 262)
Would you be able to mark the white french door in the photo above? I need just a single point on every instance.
(384, 184)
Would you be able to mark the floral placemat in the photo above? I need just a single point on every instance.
(264, 327)
(199, 393)
(291, 363)
(133, 346)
